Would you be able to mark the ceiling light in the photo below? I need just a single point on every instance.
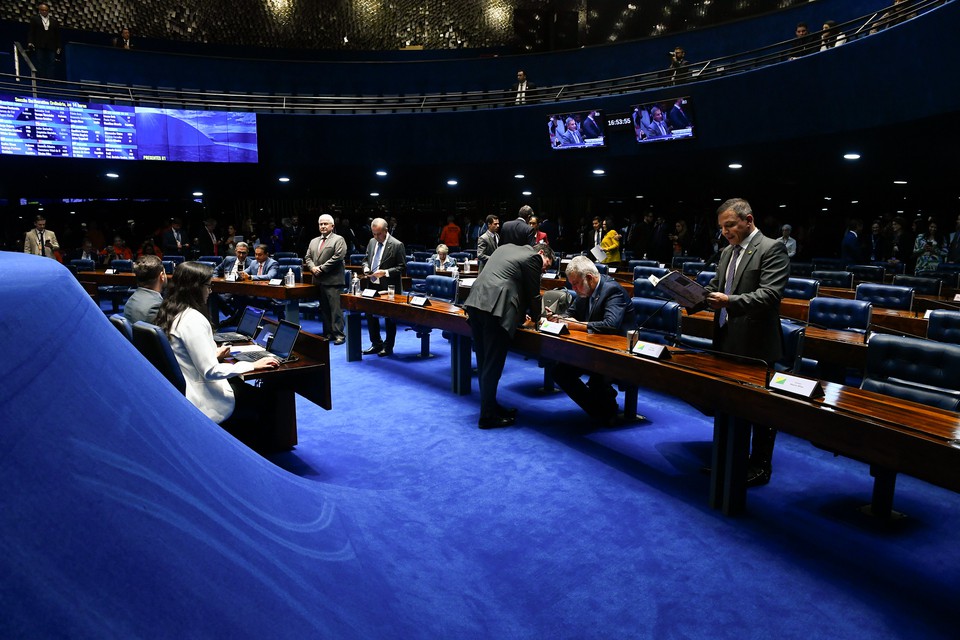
(381, 173)
(851, 156)
(735, 165)
(783, 206)
(284, 179)
(452, 183)
(899, 182)
(113, 175)
(198, 194)
(519, 176)
(599, 172)
(374, 193)
(528, 193)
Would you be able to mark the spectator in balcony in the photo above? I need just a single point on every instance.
(831, 36)
(679, 66)
(803, 43)
(874, 242)
(521, 87)
(122, 41)
(538, 235)
(897, 248)
(611, 243)
(43, 40)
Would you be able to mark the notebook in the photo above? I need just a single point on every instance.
(281, 348)
(246, 330)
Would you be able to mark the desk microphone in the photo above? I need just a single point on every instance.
(726, 355)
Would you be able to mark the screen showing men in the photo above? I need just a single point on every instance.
(577, 130)
(663, 120)
(70, 129)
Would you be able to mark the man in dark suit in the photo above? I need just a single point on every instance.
(324, 258)
(43, 40)
(264, 268)
(173, 242)
(518, 231)
(207, 241)
(850, 248)
(509, 284)
(590, 128)
(678, 118)
(383, 265)
(746, 292)
(521, 87)
(601, 306)
(488, 241)
(145, 301)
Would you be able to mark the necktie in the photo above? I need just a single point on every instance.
(41, 250)
(496, 241)
(376, 257)
(260, 270)
(728, 284)
(323, 241)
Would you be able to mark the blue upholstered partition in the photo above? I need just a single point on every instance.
(126, 512)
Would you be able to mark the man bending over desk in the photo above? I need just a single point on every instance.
(601, 306)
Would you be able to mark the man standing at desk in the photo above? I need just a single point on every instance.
(383, 265)
(324, 259)
(746, 292)
(518, 231)
(488, 242)
(601, 306)
(40, 241)
(508, 284)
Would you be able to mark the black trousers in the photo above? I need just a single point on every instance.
(373, 330)
(597, 397)
(330, 311)
(491, 342)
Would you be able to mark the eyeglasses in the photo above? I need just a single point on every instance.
(209, 287)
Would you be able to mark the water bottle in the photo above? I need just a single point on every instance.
(289, 280)
(355, 284)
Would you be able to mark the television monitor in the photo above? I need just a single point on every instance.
(663, 120)
(576, 130)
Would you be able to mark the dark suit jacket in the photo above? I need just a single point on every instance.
(516, 232)
(608, 310)
(678, 118)
(168, 244)
(271, 270)
(850, 248)
(753, 322)
(393, 260)
(142, 305)
(44, 39)
(329, 259)
(486, 244)
(509, 286)
(227, 265)
(205, 243)
(590, 129)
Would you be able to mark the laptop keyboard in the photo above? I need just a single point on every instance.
(230, 336)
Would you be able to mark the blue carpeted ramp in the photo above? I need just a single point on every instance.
(127, 513)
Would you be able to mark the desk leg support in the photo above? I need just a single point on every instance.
(884, 484)
(461, 364)
(728, 476)
(354, 340)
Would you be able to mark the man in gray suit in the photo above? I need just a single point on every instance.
(383, 265)
(324, 259)
(488, 241)
(509, 284)
(145, 301)
(746, 292)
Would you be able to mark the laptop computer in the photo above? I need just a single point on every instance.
(281, 348)
(246, 330)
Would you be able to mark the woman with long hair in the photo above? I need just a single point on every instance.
(610, 243)
(213, 386)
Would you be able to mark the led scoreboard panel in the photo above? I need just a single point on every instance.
(69, 129)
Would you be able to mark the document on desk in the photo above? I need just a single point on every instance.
(467, 282)
(687, 292)
(245, 347)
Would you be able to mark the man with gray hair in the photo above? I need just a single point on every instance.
(384, 264)
(324, 259)
(601, 306)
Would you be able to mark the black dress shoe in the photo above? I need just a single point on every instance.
(385, 352)
(339, 340)
(495, 423)
(758, 476)
(369, 351)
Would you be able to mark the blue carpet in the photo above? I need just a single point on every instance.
(126, 513)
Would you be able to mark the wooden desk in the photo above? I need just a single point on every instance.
(887, 433)
(894, 320)
(309, 377)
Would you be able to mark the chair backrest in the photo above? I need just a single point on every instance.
(944, 326)
(290, 262)
(705, 277)
(801, 269)
(120, 322)
(122, 266)
(297, 272)
(356, 259)
(888, 296)
(950, 272)
(421, 256)
(441, 287)
(83, 264)
(801, 288)
(914, 369)
(921, 285)
(841, 279)
(692, 268)
(284, 254)
(658, 321)
(889, 267)
(214, 259)
(151, 341)
(828, 264)
(866, 272)
(678, 261)
(418, 273)
(643, 288)
(174, 259)
(793, 335)
(211, 264)
(168, 266)
(460, 256)
(633, 264)
(643, 272)
(602, 268)
(838, 313)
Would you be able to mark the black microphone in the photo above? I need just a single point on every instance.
(733, 357)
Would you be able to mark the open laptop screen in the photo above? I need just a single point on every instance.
(250, 321)
(284, 339)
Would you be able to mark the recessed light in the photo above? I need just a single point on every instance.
(851, 156)
(113, 175)
(381, 173)
(783, 206)
(735, 165)
(899, 182)
(374, 194)
(198, 194)
(854, 202)
(639, 197)
(827, 198)
(599, 172)
(452, 183)
(825, 209)
(519, 176)
(284, 179)
(528, 193)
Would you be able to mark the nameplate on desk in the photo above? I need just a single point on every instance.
(956, 297)
(554, 328)
(651, 350)
(926, 314)
(370, 293)
(276, 282)
(795, 385)
(420, 301)
(549, 275)
(611, 271)
(109, 272)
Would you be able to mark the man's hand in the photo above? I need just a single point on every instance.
(717, 300)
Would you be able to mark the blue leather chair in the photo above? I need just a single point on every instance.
(418, 272)
(866, 272)
(678, 261)
(84, 265)
(356, 259)
(422, 256)
(216, 260)
(122, 266)
(174, 259)
(211, 264)
(660, 321)
(643, 272)
(838, 313)
(441, 288)
(828, 264)
(888, 267)
(284, 254)
(801, 288)
(887, 296)
(151, 341)
(460, 256)
(923, 286)
(120, 322)
(168, 266)
(642, 288)
(840, 279)
(602, 268)
(633, 264)
(705, 277)
(944, 326)
(793, 335)
(692, 268)
(118, 292)
(950, 272)
(290, 262)
(801, 269)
